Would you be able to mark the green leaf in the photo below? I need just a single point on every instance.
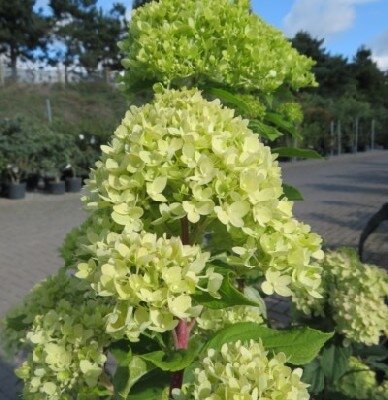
(373, 353)
(228, 97)
(270, 132)
(151, 386)
(334, 362)
(121, 351)
(230, 297)
(294, 152)
(292, 193)
(281, 123)
(17, 323)
(175, 361)
(301, 345)
(129, 370)
(121, 382)
(138, 368)
(314, 376)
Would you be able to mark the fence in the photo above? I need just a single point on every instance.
(55, 75)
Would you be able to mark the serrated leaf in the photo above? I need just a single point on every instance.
(292, 193)
(334, 362)
(270, 132)
(294, 152)
(314, 376)
(301, 345)
(230, 297)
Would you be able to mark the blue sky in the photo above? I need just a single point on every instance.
(344, 24)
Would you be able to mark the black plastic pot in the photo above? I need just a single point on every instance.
(16, 191)
(73, 184)
(56, 187)
(32, 182)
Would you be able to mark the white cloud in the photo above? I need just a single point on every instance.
(380, 50)
(321, 17)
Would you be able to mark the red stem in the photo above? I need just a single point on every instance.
(185, 234)
(181, 334)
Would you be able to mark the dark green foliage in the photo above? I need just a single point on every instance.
(139, 3)
(348, 91)
(22, 30)
(88, 34)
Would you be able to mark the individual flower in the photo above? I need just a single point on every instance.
(244, 371)
(275, 283)
(170, 42)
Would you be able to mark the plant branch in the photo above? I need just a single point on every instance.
(185, 233)
(181, 334)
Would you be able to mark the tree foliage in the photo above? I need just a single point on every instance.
(22, 30)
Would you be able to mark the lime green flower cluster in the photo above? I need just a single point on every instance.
(42, 298)
(215, 320)
(152, 279)
(381, 391)
(356, 295)
(244, 371)
(253, 108)
(360, 382)
(291, 111)
(84, 240)
(68, 352)
(184, 156)
(220, 41)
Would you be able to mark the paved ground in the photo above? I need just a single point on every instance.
(340, 195)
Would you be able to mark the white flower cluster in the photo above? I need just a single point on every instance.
(355, 293)
(360, 382)
(244, 371)
(214, 320)
(151, 278)
(183, 156)
(68, 352)
(42, 298)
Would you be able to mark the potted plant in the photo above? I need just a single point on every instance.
(73, 183)
(72, 173)
(54, 156)
(52, 177)
(18, 149)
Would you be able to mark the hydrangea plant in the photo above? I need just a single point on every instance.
(353, 295)
(360, 382)
(353, 304)
(218, 41)
(189, 226)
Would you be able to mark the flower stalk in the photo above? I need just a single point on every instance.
(181, 334)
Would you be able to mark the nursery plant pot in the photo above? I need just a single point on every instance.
(32, 182)
(16, 190)
(56, 187)
(73, 184)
